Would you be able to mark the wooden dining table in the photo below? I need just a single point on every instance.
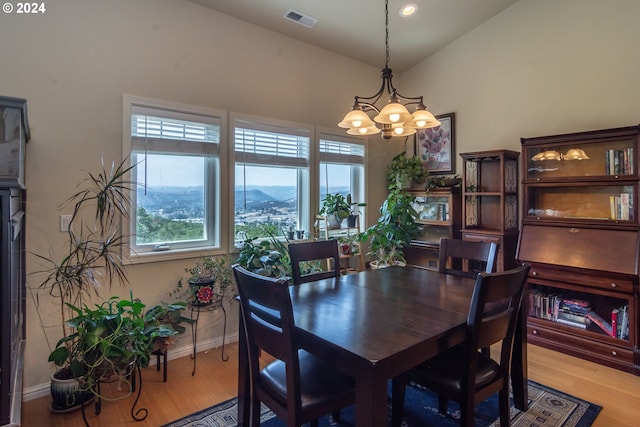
(377, 324)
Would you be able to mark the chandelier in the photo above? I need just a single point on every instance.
(394, 119)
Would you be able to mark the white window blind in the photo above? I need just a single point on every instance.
(341, 152)
(257, 143)
(173, 132)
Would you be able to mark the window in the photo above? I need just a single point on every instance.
(176, 153)
(271, 178)
(341, 167)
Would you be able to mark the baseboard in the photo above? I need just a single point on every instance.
(43, 390)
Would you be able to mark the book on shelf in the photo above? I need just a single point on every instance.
(571, 323)
(603, 324)
(618, 162)
(620, 206)
(622, 320)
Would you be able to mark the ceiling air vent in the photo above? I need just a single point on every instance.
(295, 16)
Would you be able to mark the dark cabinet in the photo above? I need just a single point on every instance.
(580, 233)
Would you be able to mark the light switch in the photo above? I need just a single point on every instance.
(65, 220)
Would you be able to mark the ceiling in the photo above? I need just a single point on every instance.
(355, 28)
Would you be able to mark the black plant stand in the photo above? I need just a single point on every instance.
(215, 304)
(135, 377)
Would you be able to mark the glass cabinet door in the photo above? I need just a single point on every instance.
(433, 209)
(575, 160)
(581, 202)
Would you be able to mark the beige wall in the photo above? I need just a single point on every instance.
(74, 63)
(541, 67)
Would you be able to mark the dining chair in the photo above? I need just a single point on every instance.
(466, 258)
(321, 250)
(464, 373)
(297, 386)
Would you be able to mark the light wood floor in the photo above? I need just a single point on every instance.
(215, 381)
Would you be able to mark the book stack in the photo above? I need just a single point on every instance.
(572, 312)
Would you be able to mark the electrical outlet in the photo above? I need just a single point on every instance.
(65, 220)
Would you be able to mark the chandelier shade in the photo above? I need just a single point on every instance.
(394, 119)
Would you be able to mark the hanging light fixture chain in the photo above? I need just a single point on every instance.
(386, 36)
(393, 119)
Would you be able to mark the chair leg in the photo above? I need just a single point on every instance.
(503, 407)
(442, 404)
(398, 386)
(255, 413)
(467, 412)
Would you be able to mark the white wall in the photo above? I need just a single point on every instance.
(541, 67)
(73, 64)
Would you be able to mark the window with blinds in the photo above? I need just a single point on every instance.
(341, 164)
(271, 178)
(175, 152)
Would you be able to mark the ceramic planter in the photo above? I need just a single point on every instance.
(67, 394)
(202, 292)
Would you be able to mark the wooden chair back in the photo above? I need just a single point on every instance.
(466, 258)
(296, 386)
(321, 250)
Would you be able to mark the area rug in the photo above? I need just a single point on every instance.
(547, 407)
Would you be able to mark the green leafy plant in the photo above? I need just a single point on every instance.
(403, 169)
(337, 205)
(266, 257)
(107, 339)
(394, 229)
(353, 206)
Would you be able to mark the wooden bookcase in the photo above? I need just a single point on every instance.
(439, 216)
(580, 232)
(490, 201)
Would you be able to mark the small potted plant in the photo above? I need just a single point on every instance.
(206, 273)
(353, 211)
(336, 208)
(404, 171)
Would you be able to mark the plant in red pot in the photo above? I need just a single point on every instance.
(209, 279)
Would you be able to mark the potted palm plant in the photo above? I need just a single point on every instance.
(92, 255)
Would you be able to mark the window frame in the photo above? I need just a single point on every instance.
(357, 181)
(304, 207)
(214, 183)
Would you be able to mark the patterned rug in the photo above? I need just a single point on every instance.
(547, 407)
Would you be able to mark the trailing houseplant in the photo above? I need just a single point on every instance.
(404, 170)
(105, 341)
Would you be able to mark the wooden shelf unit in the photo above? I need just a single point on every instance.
(349, 261)
(440, 214)
(490, 201)
(581, 234)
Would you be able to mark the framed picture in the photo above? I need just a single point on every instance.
(437, 146)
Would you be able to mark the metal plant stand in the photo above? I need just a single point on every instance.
(196, 309)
